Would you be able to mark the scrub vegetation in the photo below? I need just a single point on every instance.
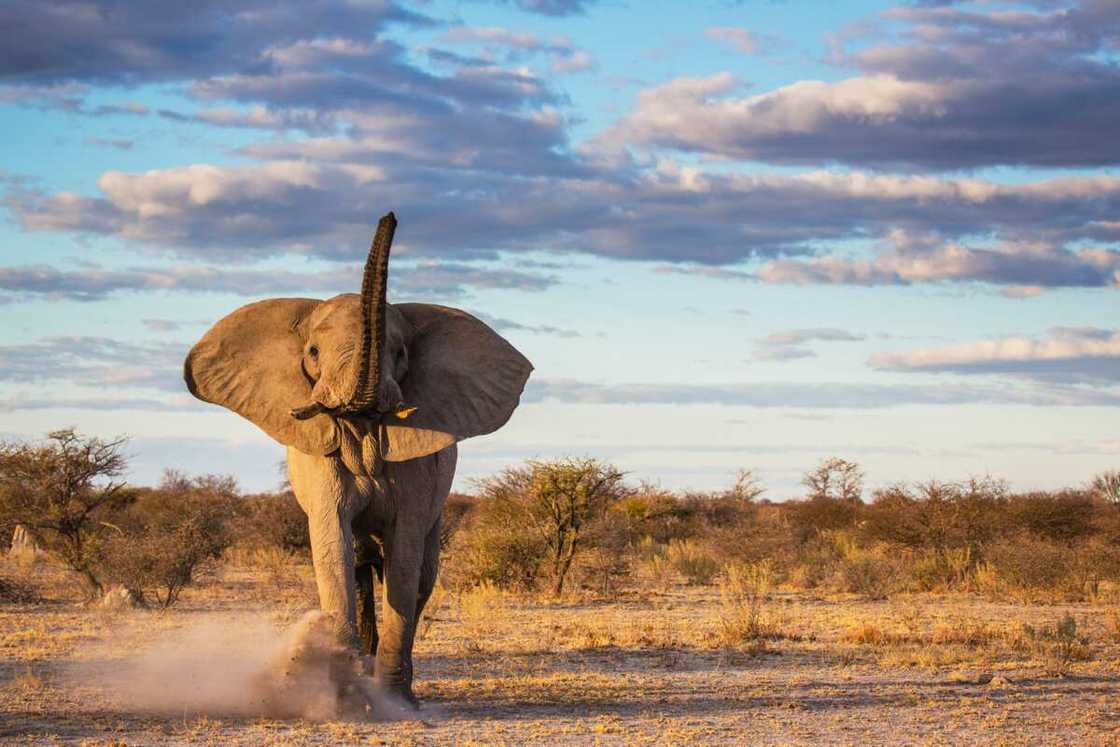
(575, 605)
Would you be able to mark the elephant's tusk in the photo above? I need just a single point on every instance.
(308, 411)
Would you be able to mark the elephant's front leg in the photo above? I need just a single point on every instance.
(393, 667)
(327, 495)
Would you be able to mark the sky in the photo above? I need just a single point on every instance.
(727, 234)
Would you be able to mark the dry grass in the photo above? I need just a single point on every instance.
(677, 664)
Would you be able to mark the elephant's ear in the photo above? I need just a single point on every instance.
(464, 378)
(250, 362)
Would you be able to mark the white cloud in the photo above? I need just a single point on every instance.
(742, 40)
(1070, 354)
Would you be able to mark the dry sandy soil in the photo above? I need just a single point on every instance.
(646, 667)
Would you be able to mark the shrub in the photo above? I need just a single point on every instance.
(744, 591)
(763, 534)
(456, 513)
(873, 573)
(656, 514)
(815, 563)
(274, 562)
(812, 517)
(1059, 517)
(1026, 566)
(480, 608)
(692, 562)
(500, 549)
(1058, 645)
(607, 560)
(62, 491)
(273, 520)
(559, 500)
(937, 515)
(17, 591)
(947, 569)
(167, 533)
(1092, 561)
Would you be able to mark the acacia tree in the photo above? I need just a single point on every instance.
(1107, 486)
(835, 478)
(60, 491)
(560, 499)
(747, 486)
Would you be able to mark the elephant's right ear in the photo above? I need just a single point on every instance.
(250, 362)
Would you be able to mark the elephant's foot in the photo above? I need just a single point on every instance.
(396, 702)
(396, 688)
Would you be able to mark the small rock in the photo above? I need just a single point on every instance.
(971, 678)
(999, 681)
(22, 542)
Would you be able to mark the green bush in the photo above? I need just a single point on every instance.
(273, 520)
(508, 556)
(166, 533)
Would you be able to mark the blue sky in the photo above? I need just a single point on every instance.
(728, 234)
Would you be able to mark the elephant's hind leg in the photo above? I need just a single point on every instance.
(367, 572)
(367, 610)
(429, 570)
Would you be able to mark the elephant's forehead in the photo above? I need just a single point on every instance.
(341, 311)
(345, 313)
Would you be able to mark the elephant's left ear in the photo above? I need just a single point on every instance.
(464, 378)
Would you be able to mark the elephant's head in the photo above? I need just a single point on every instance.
(358, 375)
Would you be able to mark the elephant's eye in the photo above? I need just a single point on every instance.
(313, 351)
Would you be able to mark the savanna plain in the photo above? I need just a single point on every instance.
(574, 608)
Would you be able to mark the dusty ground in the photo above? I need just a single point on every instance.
(649, 667)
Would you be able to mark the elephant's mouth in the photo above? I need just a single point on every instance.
(309, 411)
(401, 411)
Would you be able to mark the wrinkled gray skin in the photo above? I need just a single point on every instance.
(373, 507)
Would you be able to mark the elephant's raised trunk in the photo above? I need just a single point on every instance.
(366, 392)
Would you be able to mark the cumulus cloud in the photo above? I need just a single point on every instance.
(674, 213)
(260, 118)
(478, 160)
(950, 89)
(1026, 267)
(513, 46)
(168, 325)
(793, 343)
(428, 279)
(1065, 354)
(319, 67)
(133, 41)
(89, 361)
(554, 7)
(508, 325)
(743, 40)
(119, 143)
(101, 404)
(819, 395)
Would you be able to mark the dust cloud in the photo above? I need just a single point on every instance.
(243, 666)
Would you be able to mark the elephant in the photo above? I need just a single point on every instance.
(370, 399)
